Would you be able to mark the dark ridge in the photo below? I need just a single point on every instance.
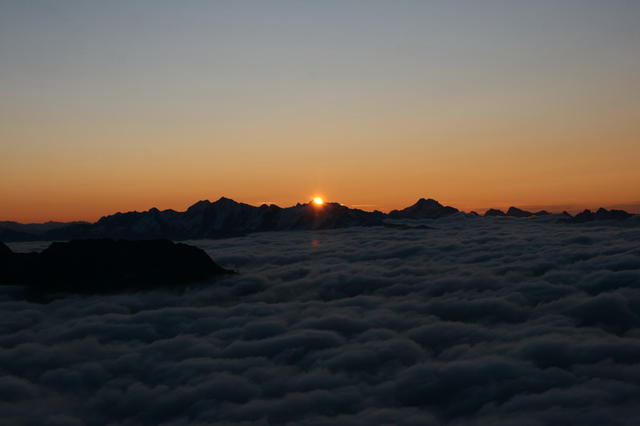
(405, 226)
(14, 231)
(220, 219)
(11, 235)
(105, 266)
(199, 206)
(600, 215)
(227, 218)
(516, 212)
(35, 228)
(494, 212)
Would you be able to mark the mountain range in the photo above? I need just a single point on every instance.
(228, 218)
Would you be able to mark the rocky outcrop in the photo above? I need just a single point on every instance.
(4, 250)
(106, 266)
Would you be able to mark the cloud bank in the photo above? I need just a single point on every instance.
(492, 322)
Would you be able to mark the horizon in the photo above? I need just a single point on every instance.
(119, 106)
(633, 208)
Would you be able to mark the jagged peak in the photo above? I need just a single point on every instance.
(205, 204)
(494, 212)
(428, 202)
(424, 208)
(202, 204)
(224, 201)
(516, 212)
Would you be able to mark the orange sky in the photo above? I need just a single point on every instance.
(127, 107)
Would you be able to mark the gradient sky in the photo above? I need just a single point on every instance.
(126, 105)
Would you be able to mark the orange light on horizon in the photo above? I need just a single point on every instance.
(318, 201)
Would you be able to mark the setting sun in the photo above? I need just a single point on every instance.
(318, 201)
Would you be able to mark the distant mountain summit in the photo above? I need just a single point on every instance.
(515, 212)
(423, 209)
(494, 212)
(600, 215)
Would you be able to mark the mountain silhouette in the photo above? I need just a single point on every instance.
(228, 218)
(494, 212)
(515, 212)
(423, 209)
(219, 219)
(600, 215)
(14, 231)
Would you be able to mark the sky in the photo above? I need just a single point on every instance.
(128, 105)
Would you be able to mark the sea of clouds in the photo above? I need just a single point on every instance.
(474, 322)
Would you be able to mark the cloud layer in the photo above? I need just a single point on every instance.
(499, 321)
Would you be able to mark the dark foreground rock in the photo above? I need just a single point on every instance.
(4, 250)
(106, 266)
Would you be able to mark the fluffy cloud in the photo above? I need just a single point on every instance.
(493, 321)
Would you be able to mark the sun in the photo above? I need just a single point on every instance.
(318, 201)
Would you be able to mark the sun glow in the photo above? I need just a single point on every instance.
(318, 201)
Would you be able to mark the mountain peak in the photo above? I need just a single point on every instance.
(494, 212)
(204, 205)
(225, 201)
(601, 214)
(429, 203)
(199, 205)
(424, 208)
(516, 212)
